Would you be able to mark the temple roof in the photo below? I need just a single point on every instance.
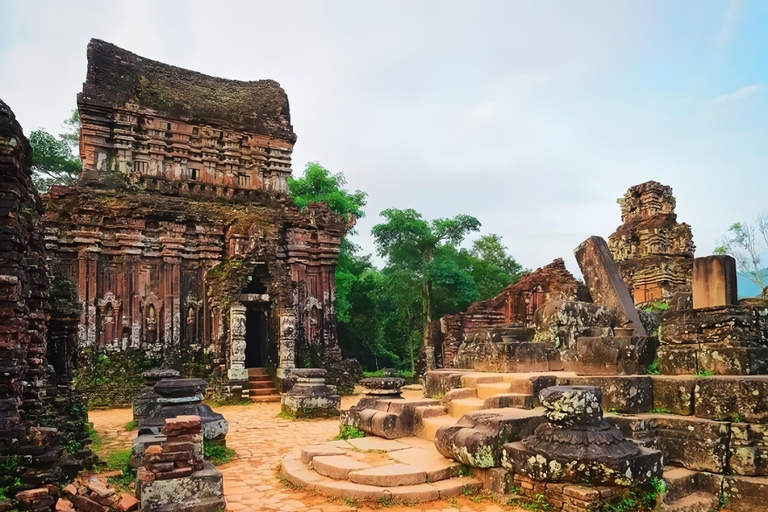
(120, 79)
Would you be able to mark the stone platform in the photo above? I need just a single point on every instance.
(371, 468)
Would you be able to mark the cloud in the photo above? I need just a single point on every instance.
(744, 92)
(728, 28)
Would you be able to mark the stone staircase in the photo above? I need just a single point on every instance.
(371, 468)
(690, 491)
(262, 388)
(482, 391)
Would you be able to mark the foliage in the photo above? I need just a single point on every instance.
(737, 418)
(319, 185)
(747, 243)
(704, 373)
(217, 454)
(54, 161)
(131, 425)
(307, 414)
(656, 306)
(349, 432)
(111, 378)
(653, 368)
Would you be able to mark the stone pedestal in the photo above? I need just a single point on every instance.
(184, 397)
(146, 402)
(310, 396)
(174, 477)
(578, 445)
(381, 388)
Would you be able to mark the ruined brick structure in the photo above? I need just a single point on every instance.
(38, 418)
(179, 234)
(654, 252)
(515, 306)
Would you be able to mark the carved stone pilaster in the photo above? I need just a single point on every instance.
(237, 369)
(287, 347)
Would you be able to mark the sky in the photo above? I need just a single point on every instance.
(533, 116)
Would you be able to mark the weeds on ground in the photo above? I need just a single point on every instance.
(704, 373)
(385, 501)
(131, 425)
(660, 410)
(653, 368)
(464, 470)
(218, 455)
(349, 432)
(350, 502)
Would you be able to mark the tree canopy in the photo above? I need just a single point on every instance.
(747, 243)
(54, 159)
(319, 185)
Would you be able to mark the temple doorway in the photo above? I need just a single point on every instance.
(256, 336)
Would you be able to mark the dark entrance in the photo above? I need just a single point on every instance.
(255, 336)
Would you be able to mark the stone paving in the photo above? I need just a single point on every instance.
(261, 440)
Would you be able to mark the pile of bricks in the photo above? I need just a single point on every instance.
(179, 456)
(84, 494)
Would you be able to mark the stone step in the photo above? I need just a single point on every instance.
(516, 400)
(337, 467)
(391, 475)
(429, 460)
(430, 426)
(299, 474)
(681, 482)
(460, 407)
(262, 391)
(261, 384)
(696, 502)
(471, 380)
(484, 390)
(264, 398)
(252, 372)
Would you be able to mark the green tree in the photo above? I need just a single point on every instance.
(319, 185)
(491, 267)
(747, 243)
(410, 244)
(54, 159)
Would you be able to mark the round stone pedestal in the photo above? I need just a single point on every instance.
(310, 396)
(146, 402)
(184, 397)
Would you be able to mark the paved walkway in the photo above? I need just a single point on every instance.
(261, 439)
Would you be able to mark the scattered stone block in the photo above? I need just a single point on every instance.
(201, 491)
(748, 449)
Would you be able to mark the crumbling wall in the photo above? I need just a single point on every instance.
(653, 251)
(516, 305)
(42, 426)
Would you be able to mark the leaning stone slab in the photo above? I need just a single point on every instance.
(605, 283)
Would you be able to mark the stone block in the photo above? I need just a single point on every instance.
(714, 281)
(722, 398)
(745, 494)
(202, 491)
(673, 393)
(678, 360)
(694, 443)
(439, 382)
(478, 437)
(609, 355)
(605, 283)
(732, 360)
(625, 394)
(749, 449)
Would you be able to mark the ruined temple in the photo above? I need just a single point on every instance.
(653, 251)
(179, 235)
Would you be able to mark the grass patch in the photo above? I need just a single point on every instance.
(660, 410)
(349, 432)
(96, 441)
(653, 368)
(308, 414)
(351, 502)
(131, 425)
(385, 501)
(228, 401)
(704, 373)
(218, 455)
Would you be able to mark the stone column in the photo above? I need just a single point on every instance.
(237, 369)
(287, 347)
